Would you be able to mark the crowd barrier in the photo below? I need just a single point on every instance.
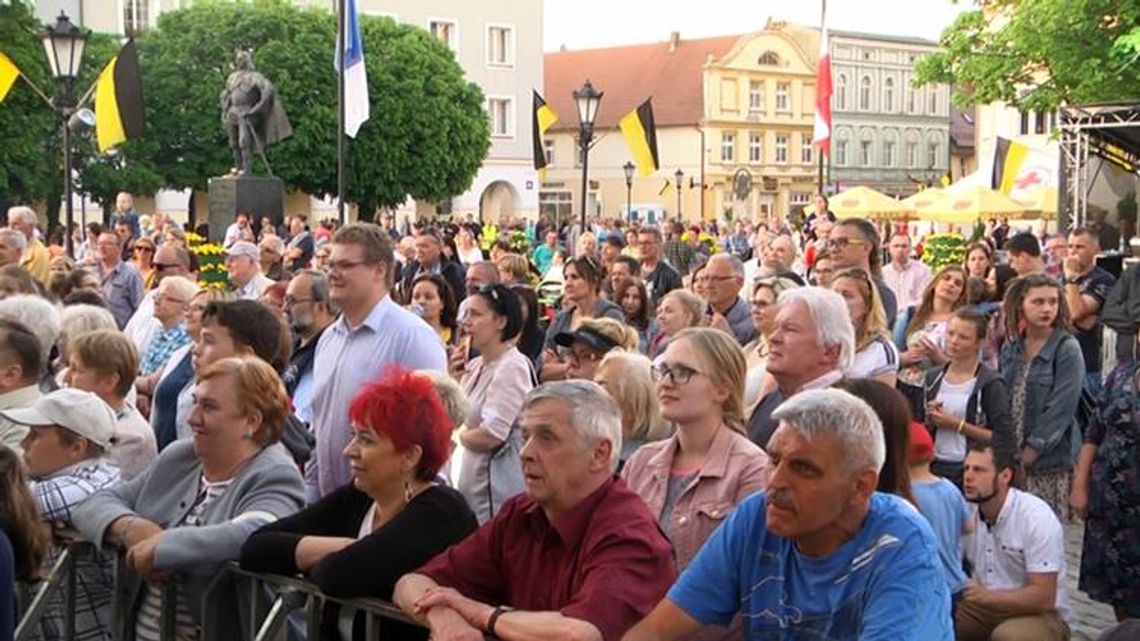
(275, 602)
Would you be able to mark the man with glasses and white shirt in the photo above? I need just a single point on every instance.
(854, 242)
(371, 334)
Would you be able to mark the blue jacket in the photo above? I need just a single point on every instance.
(1053, 391)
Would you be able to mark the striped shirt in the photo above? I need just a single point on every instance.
(148, 626)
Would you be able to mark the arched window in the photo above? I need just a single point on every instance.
(890, 145)
(911, 149)
(865, 94)
(840, 152)
(841, 91)
(769, 58)
(889, 95)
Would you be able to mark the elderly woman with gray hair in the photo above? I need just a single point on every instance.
(628, 378)
(42, 318)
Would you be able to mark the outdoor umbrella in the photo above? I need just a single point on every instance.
(970, 205)
(864, 202)
(1041, 201)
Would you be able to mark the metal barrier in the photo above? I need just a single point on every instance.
(272, 599)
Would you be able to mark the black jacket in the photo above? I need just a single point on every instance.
(989, 406)
(451, 271)
(1121, 312)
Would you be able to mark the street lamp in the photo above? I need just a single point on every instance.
(628, 169)
(679, 175)
(64, 44)
(586, 99)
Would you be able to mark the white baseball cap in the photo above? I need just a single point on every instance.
(76, 410)
(244, 248)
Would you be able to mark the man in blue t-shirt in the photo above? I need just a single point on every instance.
(820, 554)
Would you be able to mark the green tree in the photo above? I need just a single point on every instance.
(1039, 54)
(32, 170)
(427, 137)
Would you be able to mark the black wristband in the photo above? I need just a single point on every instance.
(494, 618)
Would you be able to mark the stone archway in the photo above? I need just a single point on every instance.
(499, 200)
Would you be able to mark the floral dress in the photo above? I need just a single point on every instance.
(1110, 559)
(1051, 487)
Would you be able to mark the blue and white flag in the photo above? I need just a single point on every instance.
(356, 107)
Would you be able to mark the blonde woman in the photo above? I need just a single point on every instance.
(514, 269)
(677, 310)
(593, 339)
(875, 354)
(763, 305)
(628, 379)
(922, 337)
(695, 478)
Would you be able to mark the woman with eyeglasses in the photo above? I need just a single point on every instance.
(581, 299)
(495, 383)
(757, 383)
(693, 479)
(921, 334)
(595, 338)
(876, 355)
(142, 257)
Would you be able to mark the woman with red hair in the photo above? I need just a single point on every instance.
(392, 518)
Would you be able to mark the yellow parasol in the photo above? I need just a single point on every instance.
(864, 202)
(1042, 201)
(970, 205)
(924, 198)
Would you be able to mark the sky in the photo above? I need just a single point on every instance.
(587, 24)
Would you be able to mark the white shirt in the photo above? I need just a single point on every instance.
(1027, 537)
(880, 356)
(254, 288)
(907, 283)
(949, 445)
(143, 327)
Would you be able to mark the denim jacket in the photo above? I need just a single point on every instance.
(1053, 390)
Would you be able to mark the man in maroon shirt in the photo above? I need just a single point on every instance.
(578, 556)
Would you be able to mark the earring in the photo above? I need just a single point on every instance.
(407, 492)
(248, 435)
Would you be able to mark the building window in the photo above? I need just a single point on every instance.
(841, 92)
(136, 16)
(781, 149)
(934, 155)
(446, 31)
(841, 152)
(556, 205)
(501, 113)
(889, 95)
(800, 198)
(910, 99)
(807, 152)
(911, 154)
(756, 96)
(932, 101)
(500, 45)
(782, 104)
(1024, 128)
(727, 147)
(755, 147)
(888, 153)
(769, 58)
(865, 94)
(865, 153)
(1043, 122)
(548, 150)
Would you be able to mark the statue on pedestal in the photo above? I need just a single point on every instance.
(252, 114)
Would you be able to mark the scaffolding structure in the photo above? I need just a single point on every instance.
(1110, 131)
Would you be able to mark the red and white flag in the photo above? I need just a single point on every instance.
(821, 133)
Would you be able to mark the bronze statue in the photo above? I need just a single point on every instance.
(252, 113)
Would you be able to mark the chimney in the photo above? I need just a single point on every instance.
(674, 40)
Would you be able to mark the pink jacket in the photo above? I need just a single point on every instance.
(733, 469)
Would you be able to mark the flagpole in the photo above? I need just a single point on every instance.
(340, 142)
(822, 32)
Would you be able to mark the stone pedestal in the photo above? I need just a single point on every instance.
(254, 195)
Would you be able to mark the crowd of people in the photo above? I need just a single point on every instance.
(716, 432)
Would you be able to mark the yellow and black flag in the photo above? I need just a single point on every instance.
(9, 72)
(119, 100)
(541, 120)
(1009, 156)
(641, 135)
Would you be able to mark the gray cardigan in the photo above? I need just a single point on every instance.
(268, 487)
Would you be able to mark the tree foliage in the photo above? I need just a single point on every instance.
(427, 137)
(1039, 54)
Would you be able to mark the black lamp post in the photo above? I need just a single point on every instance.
(679, 175)
(628, 169)
(64, 44)
(587, 99)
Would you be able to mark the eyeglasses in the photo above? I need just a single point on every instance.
(143, 248)
(760, 303)
(677, 374)
(576, 357)
(843, 242)
(706, 278)
(197, 309)
(290, 301)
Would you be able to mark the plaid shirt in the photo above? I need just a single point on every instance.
(163, 346)
(678, 254)
(57, 496)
